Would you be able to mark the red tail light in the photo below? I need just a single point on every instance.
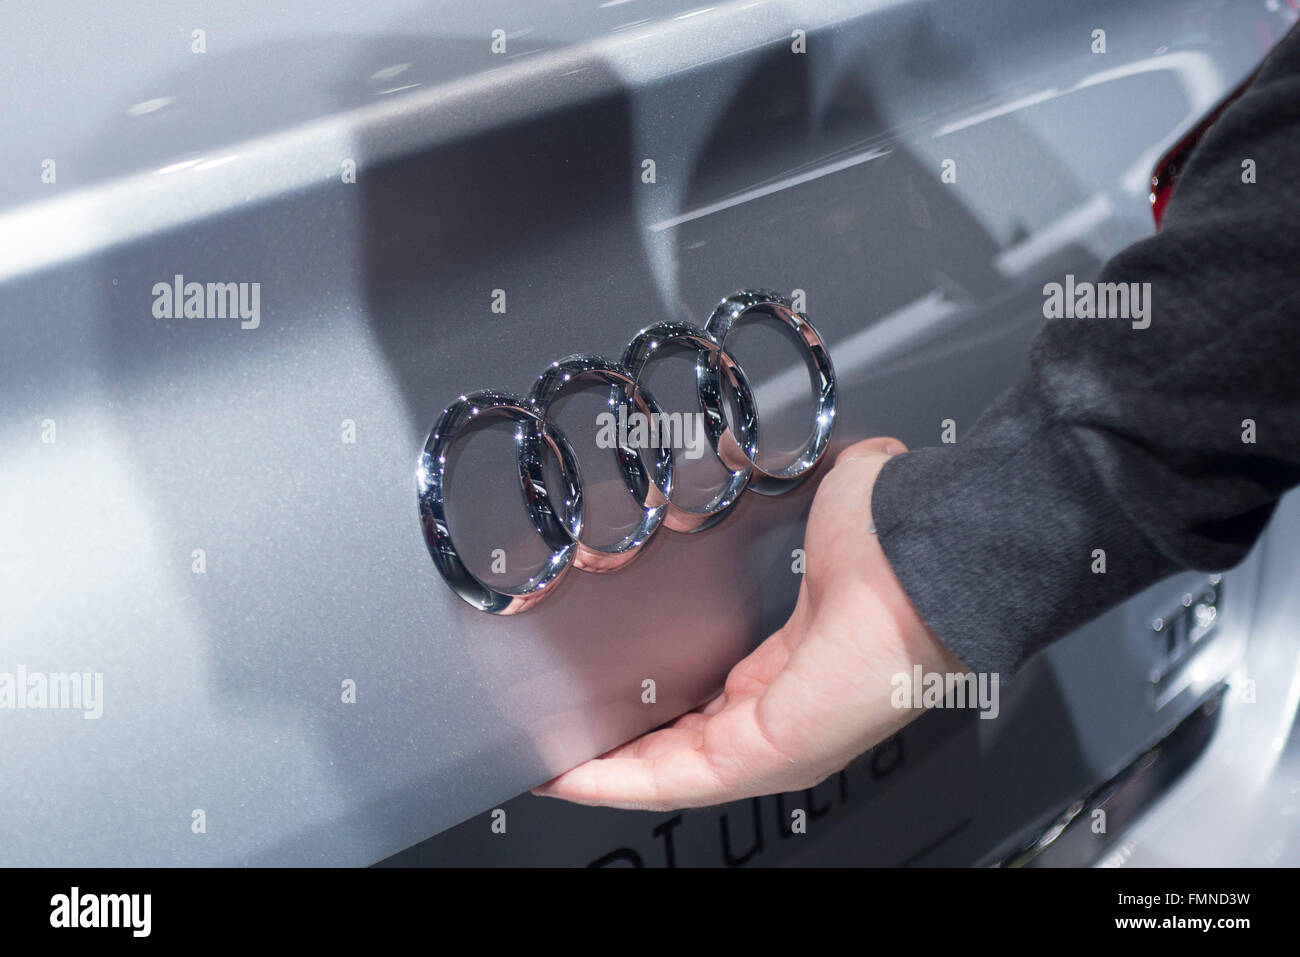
(1165, 178)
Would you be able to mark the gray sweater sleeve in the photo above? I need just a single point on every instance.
(1128, 440)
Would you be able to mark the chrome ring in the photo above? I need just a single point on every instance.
(725, 317)
(640, 350)
(652, 493)
(561, 529)
(431, 480)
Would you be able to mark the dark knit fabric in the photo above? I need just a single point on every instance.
(1122, 439)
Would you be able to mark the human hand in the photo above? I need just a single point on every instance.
(811, 697)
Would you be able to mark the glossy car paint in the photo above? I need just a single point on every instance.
(522, 171)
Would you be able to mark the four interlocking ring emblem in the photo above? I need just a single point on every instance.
(561, 527)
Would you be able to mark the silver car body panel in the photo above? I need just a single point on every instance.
(521, 171)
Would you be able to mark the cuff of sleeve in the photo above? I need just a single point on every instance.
(998, 541)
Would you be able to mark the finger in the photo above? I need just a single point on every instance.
(692, 720)
(732, 757)
(657, 742)
(753, 672)
(673, 779)
(880, 445)
(683, 732)
(711, 707)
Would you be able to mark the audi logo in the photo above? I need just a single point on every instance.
(561, 527)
